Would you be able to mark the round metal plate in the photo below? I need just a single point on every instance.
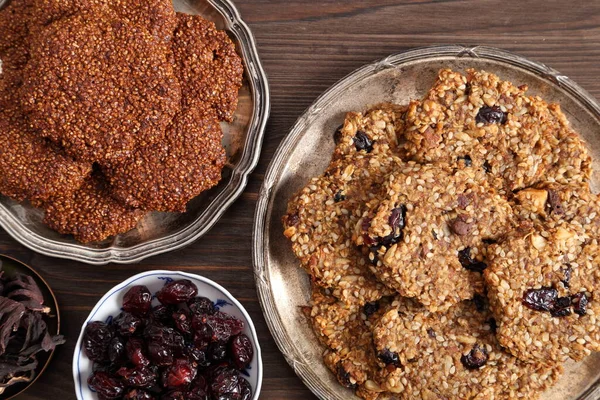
(161, 232)
(283, 287)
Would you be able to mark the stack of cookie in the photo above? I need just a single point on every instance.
(452, 245)
(111, 109)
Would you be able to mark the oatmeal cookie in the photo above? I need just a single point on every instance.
(517, 139)
(427, 236)
(99, 86)
(89, 213)
(321, 217)
(451, 355)
(165, 176)
(543, 284)
(207, 64)
(381, 126)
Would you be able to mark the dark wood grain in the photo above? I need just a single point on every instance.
(306, 46)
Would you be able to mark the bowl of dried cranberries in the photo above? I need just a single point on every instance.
(164, 335)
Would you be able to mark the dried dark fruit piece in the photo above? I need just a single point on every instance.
(136, 352)
(197, 393)
(337, 135)
(137, 300)
(370, 308)
(292, 219)
(580, 302)
(138, 394)
(201, 305)
(567, 277)
(182, 321)
(174, 395)
(464, 256)
(116, 350)
(554, 203)
(203, 334)
(96, 339)
(216, 352)
(245, 389)
(198, 356)
(344, 377)
(389, 358)
(127, 323)
(137, 376)
(176, 292)
(491, 115)
(223, 326)
(431, 333)
(339, 196)
(362, 142)
(466, 160)
(106, 386)
(562, 307)
(540, 299)
(493, 325)
(461, 226)
(476, 358)
(224, 381)
(181, 373)
(162, 313)
(487, 167)
(241, 351)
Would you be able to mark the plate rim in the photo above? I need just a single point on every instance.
(286, 344)
(237, 183)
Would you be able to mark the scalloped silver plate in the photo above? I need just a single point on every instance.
(161, 232)
(283, 287)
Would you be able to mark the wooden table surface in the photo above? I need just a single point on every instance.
(306, 46)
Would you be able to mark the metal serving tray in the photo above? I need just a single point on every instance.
(283, 287)
(162, 232)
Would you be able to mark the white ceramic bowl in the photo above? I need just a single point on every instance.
(110, 306)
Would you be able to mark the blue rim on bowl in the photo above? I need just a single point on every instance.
(110, 304)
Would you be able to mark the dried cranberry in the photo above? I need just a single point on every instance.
(224, 381)
(246, 389)
(554, 203)
(431, 333)
(174, 395)
(181, 373)
(138, 394)
(137, 376)
(567, 277)
(476, 358)
(223, 326)
(177, 292)
(339, 196)
(136, 352)
(203, 334)
(292, 219)
(137, 300)
(362, 142)
(464, 256)
(182, 321)
(241, 351)
(466, 160)
(337, 135)
(106, 386)
(562, 307)
(160, 354)
(389, 358)
(198, 356)
(96, 339)
(580, 302)
(162, 313)
(344, 377)
(540, 299)
(370, 308)
(126, 323)
(197, 393)
(201, 305)
(397, 221)
(216, 351)
(116, 350)
(491, 115)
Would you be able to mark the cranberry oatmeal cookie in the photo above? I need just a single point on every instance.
(453, 247)
(321, 217)
(428, 235)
